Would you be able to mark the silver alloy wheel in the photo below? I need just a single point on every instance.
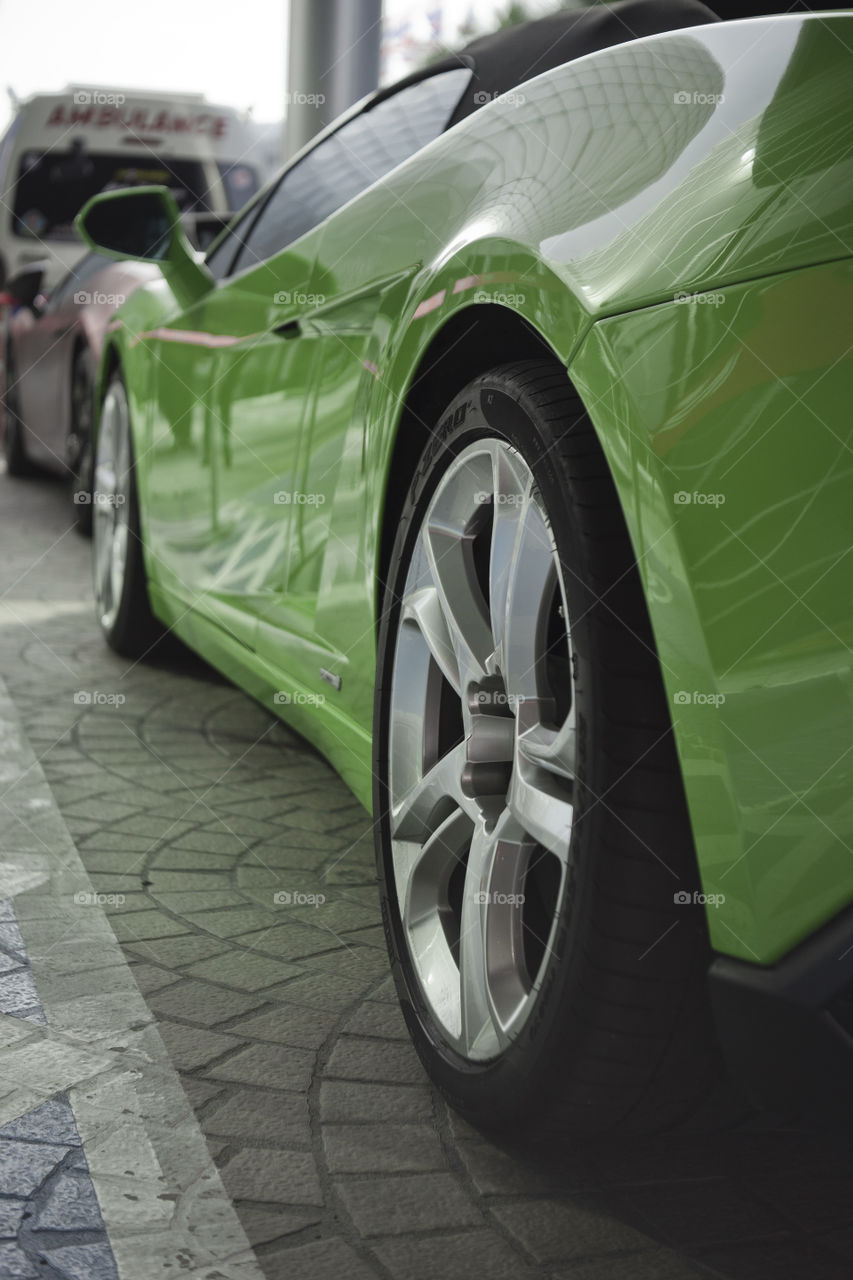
(482, 749)
(110, 498)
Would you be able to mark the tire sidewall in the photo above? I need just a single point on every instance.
(522, 1073)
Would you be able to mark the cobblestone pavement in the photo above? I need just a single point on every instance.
(213, 832)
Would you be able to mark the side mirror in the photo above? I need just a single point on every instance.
(137, 222)
(144, 224)
(25, 285)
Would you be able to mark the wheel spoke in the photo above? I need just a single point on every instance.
(481, 827)
(412, 816)
(540, 804)
(423, 607)
(522, 564)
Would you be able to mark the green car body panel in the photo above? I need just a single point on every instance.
(674, 218)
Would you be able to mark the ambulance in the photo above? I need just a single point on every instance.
(62, 148)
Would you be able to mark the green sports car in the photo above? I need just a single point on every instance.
(503, 445)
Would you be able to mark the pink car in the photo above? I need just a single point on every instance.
(51, 347)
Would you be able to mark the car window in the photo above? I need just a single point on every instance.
(348, 161)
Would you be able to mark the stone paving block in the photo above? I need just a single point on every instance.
(70, 1205)
(172, 953)
(414, 1202)
(151, 978)
(204, 907)
(174, 881)
(587, 1225)
(349, 1101)
(83, 1262)
(200, 1091)
(25, 1165)
(353, 962)
(14, 1265)
(52, 1122)
(11, 1212)
(288, 941)
(383, 1021)
(270, 1174)
(386, 1148)
(246, 970)
(355, 1058)
(209, 842)
(372, 937)
(190, 1048)
(231, 924)
(263, 1225)
(385, 992)
(249, 1114)
(267, 1065)
(330, 1259)
(200, 1002)
(179, 859)
(292, 1025)
(497, 1173)
(460, 1256)
(142, 926)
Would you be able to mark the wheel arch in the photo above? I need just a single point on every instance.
(471, 341)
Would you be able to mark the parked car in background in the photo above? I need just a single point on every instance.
(503, 446)
(51, 348)
(63, 148)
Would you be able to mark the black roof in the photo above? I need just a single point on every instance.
(506, 58)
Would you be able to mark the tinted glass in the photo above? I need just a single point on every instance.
(350, 160)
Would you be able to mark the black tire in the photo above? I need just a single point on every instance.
(79, 451)
(134, 631)
(620, 1039)
(11, 426)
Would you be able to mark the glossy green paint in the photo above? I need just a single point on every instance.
(727, 422)
(666, 166)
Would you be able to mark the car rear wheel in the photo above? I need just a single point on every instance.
(120, 586)
(14, 449)
(79, 445)
(532, 833)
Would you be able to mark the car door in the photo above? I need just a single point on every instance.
(370, 248)
(223, 433)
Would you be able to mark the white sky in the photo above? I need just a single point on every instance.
(233, 53)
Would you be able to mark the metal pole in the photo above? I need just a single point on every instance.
(333, 60)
